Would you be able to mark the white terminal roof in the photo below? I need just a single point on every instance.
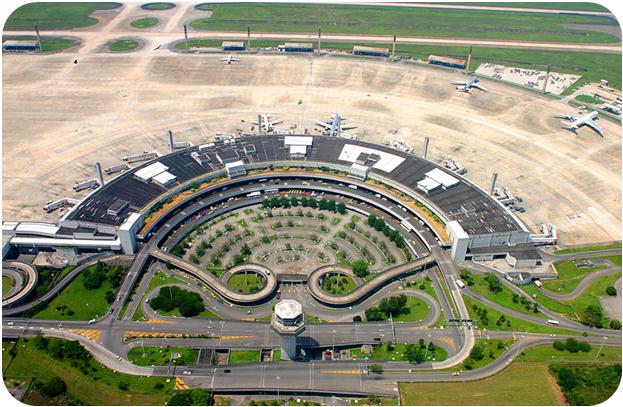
(428, 184)
(235, 164)
(387, 162)
(164, 178)
(288, 309)
(298, 140)
(130, 221)
(37, 228)
(442, 177)
(359, 167)
(298, 150)
(151, 171)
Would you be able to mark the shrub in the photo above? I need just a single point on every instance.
(611, 291)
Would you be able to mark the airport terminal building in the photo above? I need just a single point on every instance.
(112, 217)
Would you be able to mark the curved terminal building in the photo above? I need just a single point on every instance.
(129, 209)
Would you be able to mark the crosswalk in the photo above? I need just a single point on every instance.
(180, 385)
(92, 334)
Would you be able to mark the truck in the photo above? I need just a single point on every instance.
(553, 322)
(538, 283)
(460, 284)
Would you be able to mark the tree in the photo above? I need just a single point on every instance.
(593, 316)
(373, 314)
(341, 208)
(611, 291)
(110, 296)
(360, 268)
(615, 324)
(494, 283)
(357, 318)
(415, 354)
(53, 387)
(378, 369)
(559, 345)
(93, 278)
(572, 345)
(477, 353)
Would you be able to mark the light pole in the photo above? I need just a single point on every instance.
(277, 378)
(601, 347)
(333, 349)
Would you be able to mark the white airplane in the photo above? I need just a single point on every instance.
(467, 86)
(573, 122)
(265, 123)
(336, 128)
(230, 59)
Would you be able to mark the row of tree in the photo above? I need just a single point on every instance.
(380, 226)
(285, 202)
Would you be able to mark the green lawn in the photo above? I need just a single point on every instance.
(245, 282)
(526, 381)
(416, 310)
(144, 22)
(160, 356)
(588, 99)
(503, 298)
(516, 325)
(161, 279)
(123, 45)
(55, 16)
(7, 284)
(243, 356)
(569, 276)
(426, 285)
(492, 348)
(99, 387)
(547, 353)
(85, 304)
(588, 248)
(381, 352)
(543, 5)
(157, 6)
(387, 20)
(574, 308)
(206, 313)
(338, 285)
(49, 44)
(519, 384)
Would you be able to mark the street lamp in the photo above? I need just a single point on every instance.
(277, 378)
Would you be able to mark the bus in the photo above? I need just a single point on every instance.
(460, 284)
(553, 322)
(254, 194)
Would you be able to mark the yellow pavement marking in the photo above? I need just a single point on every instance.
(342, 371)
(232, 337)
(141, 334)
(158, 321)
(419, 328)
(92, 334)
(449, 341)
(180, 385)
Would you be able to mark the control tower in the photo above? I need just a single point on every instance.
(288, 320)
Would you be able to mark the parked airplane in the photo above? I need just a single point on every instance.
(467, 86)
(265, 123)
(229, 60)
(573, 122)
(336, 128)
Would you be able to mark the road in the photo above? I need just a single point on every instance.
(157, 43)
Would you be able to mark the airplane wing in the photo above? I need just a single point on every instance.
(482, 88)
(323, 124)
(595, 127)
(234, 60)
(564, 116)
(348, 127)
(458, 83)
(275, 122)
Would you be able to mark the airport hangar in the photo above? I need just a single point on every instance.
(111, 218)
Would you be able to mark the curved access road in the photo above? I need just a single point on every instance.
(13, 269)
(54, 291)
(588, 280)
(216, 284)
(365, 289)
